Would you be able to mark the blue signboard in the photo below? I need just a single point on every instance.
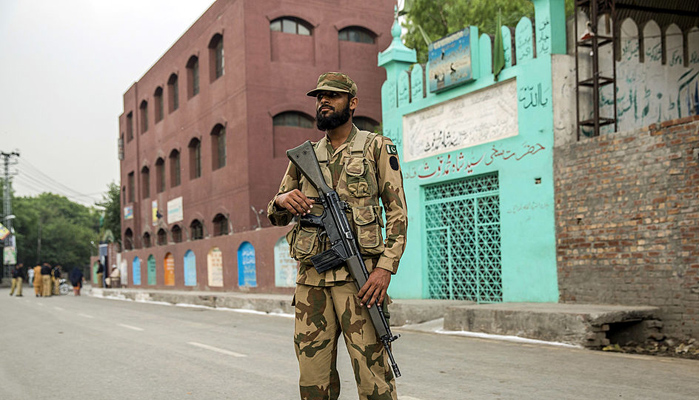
(246, 265)
(190, 268)
(450, 60)
(136, 273)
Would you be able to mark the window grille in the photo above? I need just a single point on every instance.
(464, 261)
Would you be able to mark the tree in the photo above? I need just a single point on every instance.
(429, 20)
(111, 201)
(50, 228)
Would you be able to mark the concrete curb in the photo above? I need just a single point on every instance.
(585, 325)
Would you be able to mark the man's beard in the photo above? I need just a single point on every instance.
(333, 120)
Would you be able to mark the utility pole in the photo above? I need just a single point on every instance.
(7, 210)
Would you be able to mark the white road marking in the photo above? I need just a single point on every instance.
(131, 327)
(216, 349)
(86, 316)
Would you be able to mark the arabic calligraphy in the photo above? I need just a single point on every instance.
(534, 97)
(458, 163)
(543, 37)
(507, 154)
(528, 207)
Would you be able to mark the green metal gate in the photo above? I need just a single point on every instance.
(463, 239)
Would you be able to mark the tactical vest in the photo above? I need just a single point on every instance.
(358, 187)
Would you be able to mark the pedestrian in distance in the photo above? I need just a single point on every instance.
(363, 168)
(76, 279)
(46, 280)
(56, 279)
(100, 275)
(30, 275)
(37, 281)
(114, 279)
(17, 280)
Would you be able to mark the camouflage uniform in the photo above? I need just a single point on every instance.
(362, 170)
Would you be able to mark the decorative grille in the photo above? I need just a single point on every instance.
(463, 239)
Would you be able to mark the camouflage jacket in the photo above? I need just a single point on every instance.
(361, 175)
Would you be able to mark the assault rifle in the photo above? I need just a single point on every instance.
(343, 247)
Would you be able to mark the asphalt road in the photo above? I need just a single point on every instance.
(68, 347)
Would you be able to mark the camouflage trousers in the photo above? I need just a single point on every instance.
(322, 314)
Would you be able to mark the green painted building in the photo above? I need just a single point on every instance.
(477, 161)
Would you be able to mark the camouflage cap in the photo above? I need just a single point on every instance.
(335, 82)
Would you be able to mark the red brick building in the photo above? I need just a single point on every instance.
(205, 131)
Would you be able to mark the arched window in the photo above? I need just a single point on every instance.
(129, 126)
(146, 240)
(357, 35)
(159, 104)
(193, 76)
(173, 93)
(216, 60)
(162, 237)
(197, 230)
(132, 187)
(293, 118)
(128, 239)
(218, 147)
(145, 182)
(220, 225)
(160, 175)
(175, 178)
(366, 124)
(144, 116)
(176, 234)
(194, 158)
(291, 25)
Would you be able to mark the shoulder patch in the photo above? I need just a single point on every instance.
(393, 161)
(391, 149)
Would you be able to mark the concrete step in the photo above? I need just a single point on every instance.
(587, 325)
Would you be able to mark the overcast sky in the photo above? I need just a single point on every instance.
(65, 65)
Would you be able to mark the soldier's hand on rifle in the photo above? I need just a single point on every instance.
(375, 287)
(295, 202)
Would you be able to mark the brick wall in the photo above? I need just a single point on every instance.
(627, 221)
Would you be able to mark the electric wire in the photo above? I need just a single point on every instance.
(31, 177)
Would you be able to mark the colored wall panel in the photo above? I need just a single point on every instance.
(136, 269)
(190, 268)
(247, 275)
(169, 270)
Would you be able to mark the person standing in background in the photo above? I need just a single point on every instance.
(76, 279)
(37, 280)
(30, 274)
(17, 280)
(100, 275)
(46, 280)
(55, 279)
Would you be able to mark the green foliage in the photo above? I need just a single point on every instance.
(57, 228)
(111, 201)
(438, 18)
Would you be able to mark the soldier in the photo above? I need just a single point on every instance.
(363, 168)
(17, 280)
(37, 281)
(46, 280)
